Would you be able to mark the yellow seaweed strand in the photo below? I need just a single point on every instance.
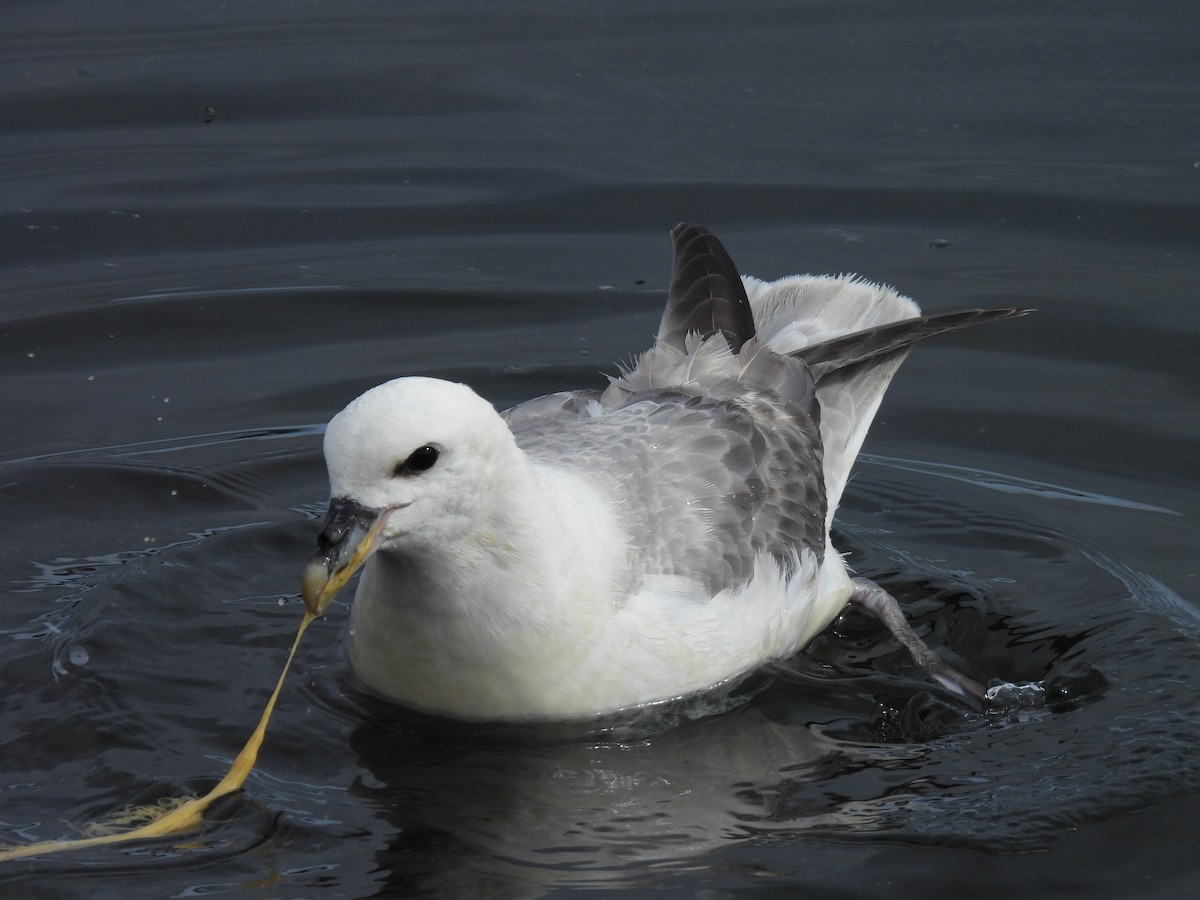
(175, 816)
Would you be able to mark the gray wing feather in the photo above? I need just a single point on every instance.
(713, 481)
(551, 409)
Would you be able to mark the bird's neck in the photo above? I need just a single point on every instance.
(530, 555)
(478, 624)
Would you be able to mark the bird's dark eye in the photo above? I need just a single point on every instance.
(420, 460)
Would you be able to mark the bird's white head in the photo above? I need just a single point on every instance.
(414, 459)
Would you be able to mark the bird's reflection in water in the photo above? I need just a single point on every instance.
(536, 806)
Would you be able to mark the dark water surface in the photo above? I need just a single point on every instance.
(482, 192)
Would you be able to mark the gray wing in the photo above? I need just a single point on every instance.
(852, 372)
(711, 446)
(703, 483)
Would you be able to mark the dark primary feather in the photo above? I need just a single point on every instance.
(882, 341)
(706, 294)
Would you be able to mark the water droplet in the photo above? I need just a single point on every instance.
(78, 656)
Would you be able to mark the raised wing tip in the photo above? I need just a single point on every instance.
(706, 294)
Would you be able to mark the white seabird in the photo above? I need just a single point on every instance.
(593, 551)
